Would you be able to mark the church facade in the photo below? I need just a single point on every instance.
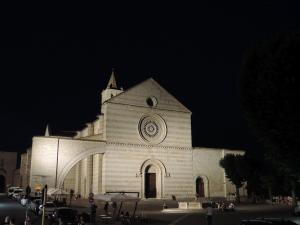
(141, 142)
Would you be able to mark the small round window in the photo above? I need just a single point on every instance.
(151, 101)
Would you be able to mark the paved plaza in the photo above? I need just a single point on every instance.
(152, 211)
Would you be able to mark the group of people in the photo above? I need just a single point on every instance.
(223, 206)
(282, 200)
(106, 205)
(8, 221)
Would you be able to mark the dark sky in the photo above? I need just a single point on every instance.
(55, 63)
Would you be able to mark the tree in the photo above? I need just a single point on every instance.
(234, 170)
(269, 95)
(253, 167)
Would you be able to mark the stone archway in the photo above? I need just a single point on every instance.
(148, 167)
(2, 184)
(201, 186)
(69, 165)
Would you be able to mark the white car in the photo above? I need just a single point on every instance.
(17, 193)
(11, 190)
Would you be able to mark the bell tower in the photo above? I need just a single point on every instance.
(111, 89)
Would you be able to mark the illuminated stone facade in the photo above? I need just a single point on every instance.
(25, 168)
(141, 142)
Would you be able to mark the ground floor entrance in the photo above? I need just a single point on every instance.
(200, 187)
(150, 185)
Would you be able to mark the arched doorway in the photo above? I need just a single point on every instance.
(200, 187)
(147, 182)
(2, 184)
(150, 181)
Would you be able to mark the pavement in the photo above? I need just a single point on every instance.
(152, 212)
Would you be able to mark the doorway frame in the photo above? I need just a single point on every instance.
(160, 175)
(205, 184)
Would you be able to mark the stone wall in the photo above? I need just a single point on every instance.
(54, 157)
(206, 166)
(123, 169)
(25, 166)
(8, 163)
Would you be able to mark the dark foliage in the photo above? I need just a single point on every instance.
(235, 170)
(269, 89)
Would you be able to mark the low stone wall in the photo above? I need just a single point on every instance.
(189, 205)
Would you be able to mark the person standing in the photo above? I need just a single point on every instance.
(106, 208)
(28, 191)
(209, 214)
(93, 213)
(6, 220)
(12, 221)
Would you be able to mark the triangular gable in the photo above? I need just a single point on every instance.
(138, 94)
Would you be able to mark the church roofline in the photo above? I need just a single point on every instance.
(170, 94)
(157, 84)
(218, 149)
(68, 138)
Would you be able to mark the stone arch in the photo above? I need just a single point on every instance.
(205, 180)
(72, 162)
(161, 172)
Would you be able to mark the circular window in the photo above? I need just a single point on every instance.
(151, 101)
(152, 129)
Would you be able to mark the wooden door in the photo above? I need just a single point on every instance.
(200, 187)
(150, 185)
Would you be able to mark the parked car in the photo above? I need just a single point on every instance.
(10, 191)
(34, 205)
(64, 216)
(17, 193)
(268, 221)
(19, 197)
(49, 208)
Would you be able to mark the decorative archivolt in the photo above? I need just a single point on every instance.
(206, 183)
(154, 162)
(203, 176)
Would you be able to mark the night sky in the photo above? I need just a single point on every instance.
(54, 64)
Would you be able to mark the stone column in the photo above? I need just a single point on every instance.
(86, 176)
(83, 178)
(97, 173)
(78, 178)
(89, 175)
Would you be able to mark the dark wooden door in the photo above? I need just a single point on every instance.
(200, 187)
(150, 185)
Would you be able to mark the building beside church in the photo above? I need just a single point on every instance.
(8, 172)
(140, 142)
(25, 168)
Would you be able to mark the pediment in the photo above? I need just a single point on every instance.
(140, 94)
